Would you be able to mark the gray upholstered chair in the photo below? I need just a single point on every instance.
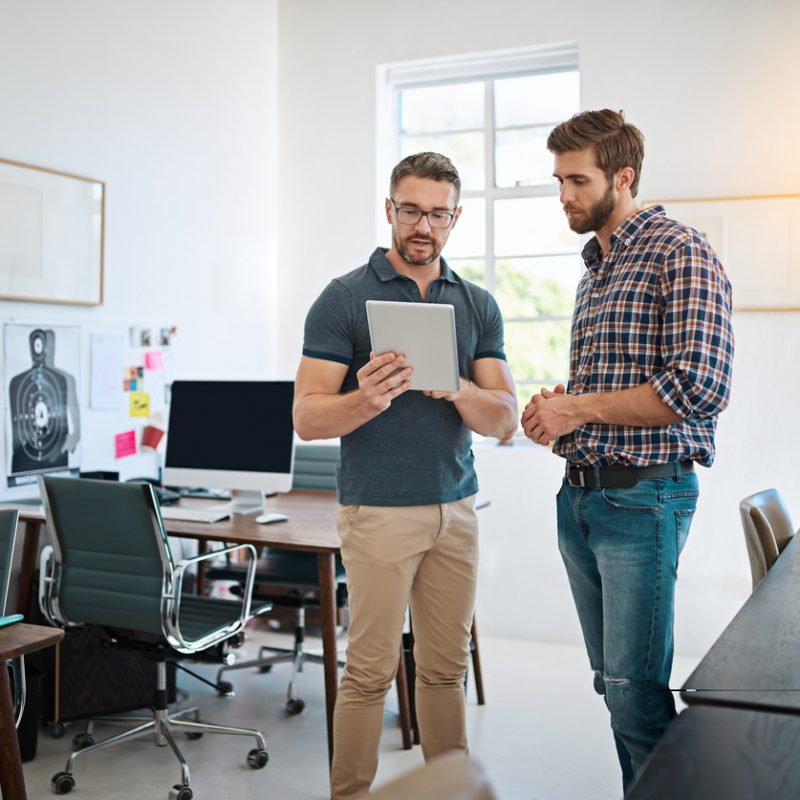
(294, 573)
(8, 535)
(110, 565)
(767, 530)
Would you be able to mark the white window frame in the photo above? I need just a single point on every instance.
(487, 67)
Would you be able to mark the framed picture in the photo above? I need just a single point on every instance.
(51, 235)
(757, 240)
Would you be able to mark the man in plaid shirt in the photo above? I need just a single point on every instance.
(650, 369)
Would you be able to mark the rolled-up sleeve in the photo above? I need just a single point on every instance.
(697, 338)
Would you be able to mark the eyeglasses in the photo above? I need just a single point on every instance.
(408, 215)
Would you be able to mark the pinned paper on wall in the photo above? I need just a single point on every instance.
(154, 360)
(125, 444)
(140, 404)
(106, 357)
(151, 436)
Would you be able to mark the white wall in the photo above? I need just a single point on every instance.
(173, 105)
(713, 86)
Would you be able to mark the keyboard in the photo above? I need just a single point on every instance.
(193, 514)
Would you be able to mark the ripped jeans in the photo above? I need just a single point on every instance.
(621, 550)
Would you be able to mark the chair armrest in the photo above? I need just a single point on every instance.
(47, 580)
(171, 602)
(17, 666)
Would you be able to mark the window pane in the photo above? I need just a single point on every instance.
(533, 287)
(522, 158)
(536, 99)
(471, 269)
(532, 225)
(468, 238)
(538, 350)
(455, 106)
(465, 150)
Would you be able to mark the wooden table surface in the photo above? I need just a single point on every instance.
(16, 640)
(755, 663)
(714, 752)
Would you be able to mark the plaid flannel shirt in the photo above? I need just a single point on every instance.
(656, 309)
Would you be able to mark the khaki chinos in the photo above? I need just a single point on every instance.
(427, 555)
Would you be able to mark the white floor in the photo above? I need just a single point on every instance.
(543, 734)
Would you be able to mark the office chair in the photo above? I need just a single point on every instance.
(767, 530)
(109, 564)
(314, 468)
(8, 534)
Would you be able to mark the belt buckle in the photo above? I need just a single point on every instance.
(581, 482)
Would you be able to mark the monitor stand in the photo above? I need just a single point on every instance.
(243, 501)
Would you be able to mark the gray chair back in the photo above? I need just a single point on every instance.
(315, 466)
(107, 571)
(8, 533)
(767, 530)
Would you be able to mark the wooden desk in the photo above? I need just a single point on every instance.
(16, 640)
(311, 527)
(723, 752)
(754, 663)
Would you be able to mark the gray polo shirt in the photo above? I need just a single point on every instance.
(418, 451)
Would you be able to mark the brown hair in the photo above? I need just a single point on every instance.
(616, 143)
(426, 165)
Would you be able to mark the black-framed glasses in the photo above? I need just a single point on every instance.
(408, 215)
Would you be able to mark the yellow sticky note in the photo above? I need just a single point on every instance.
(140, 404)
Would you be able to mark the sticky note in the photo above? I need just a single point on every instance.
(154, 359)
(125, 444)
(140, 404)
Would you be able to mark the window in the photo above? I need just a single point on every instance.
(491, 114)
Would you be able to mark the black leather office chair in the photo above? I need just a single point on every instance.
(8, 534)
(110, 565)
(294, 573)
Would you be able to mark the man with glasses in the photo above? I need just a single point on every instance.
(406, 480)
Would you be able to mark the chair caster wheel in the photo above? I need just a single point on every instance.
(225, 689)
(180, 791)
(295, 706)
(63, 783)
(82, 740)
(58, 730)
(258, 759)
(193, 736)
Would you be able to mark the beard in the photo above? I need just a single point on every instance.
(597, 215)
(402, 249)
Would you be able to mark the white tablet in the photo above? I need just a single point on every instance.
(425, 333)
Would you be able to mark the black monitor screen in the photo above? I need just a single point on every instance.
(231, 425)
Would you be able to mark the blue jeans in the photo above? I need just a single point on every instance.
(621, 549)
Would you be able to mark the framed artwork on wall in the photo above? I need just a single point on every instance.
(51, 235)
(758, 242)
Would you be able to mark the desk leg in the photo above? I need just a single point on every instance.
(30, 550)
(12, 782)
(327, 603)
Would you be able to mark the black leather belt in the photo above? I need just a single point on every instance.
(620, 476)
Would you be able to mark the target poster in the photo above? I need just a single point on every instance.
(42, 376)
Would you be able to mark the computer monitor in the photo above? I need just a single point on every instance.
(231, 434)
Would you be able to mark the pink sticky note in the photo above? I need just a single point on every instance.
(125, 444)
(154, 359)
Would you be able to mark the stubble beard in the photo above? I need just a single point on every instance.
(417, 262)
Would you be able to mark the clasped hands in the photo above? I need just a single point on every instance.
(551, 414)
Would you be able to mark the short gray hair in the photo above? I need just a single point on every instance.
(426, 165)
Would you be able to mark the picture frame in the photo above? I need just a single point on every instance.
(757, 239)
(52, 230)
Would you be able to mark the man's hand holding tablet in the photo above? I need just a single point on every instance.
(382, 379)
